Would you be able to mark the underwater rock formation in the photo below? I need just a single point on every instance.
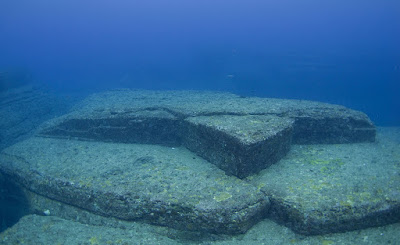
(206, 161)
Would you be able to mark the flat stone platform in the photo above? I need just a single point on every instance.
(315, 189)
(156, 184)
(54, 230)
(189, 118)
(319, 189)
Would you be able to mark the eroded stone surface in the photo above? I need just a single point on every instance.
(159, 185)
(146, 126)
(239, 145)
(314, 122)
(172, 186)
(318, 189)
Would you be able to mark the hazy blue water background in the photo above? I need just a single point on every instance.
(345, 52)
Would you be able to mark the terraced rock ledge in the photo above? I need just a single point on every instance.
(156, 184)
(213, 162)
(320, 189)
(240, 146)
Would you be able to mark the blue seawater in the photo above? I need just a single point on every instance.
(343, 52)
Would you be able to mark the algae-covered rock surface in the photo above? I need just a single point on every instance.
(314, 122)
(209, 162)
(157, 184)
(34, 229)
(246, 134)
(320, 189)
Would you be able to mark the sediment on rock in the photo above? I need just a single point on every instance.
(156, 184)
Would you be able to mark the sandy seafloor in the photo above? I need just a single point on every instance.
(35, 229)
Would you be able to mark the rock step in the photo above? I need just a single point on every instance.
(239, 145)
(156, 184)
(240, 135)
(315, 189)
(319, 189)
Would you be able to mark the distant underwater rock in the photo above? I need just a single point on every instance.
(14, 78)
(23, 109)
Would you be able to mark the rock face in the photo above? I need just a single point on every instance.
(319, 189)
(314, 122)
(240, 135)
(157, 184)
(205, 161)
(239, 145)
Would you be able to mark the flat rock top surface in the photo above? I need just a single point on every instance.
(33, 229)
(192, 103)
(248, 129)
(327, 177)
(313, 121)
(148, 172)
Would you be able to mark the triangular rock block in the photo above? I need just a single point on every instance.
(239, 145)
(240, 135)
(156, 184)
